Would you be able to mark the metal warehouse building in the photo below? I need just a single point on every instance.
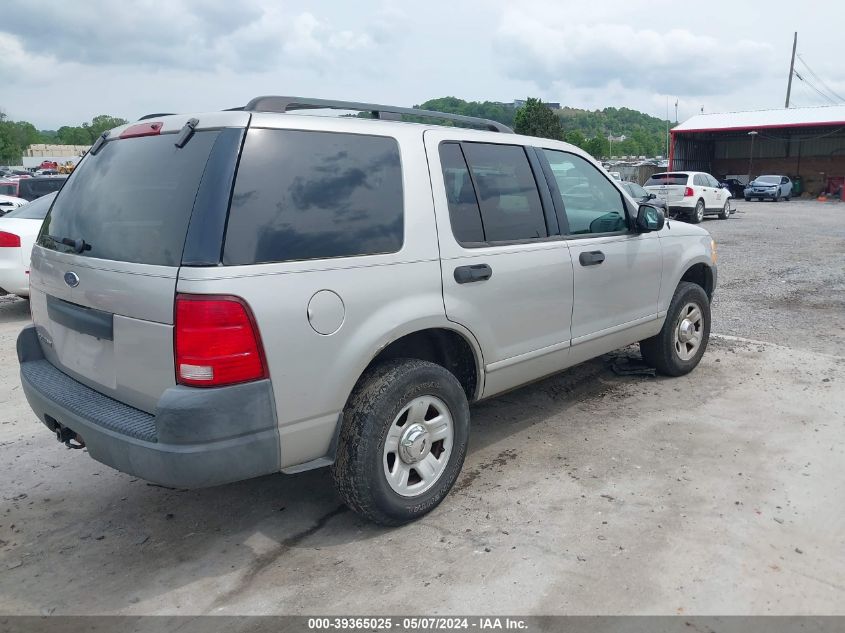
(806, 144)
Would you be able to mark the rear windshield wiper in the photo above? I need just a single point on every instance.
(77, 245)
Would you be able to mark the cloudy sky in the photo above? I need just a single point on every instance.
(64, 62)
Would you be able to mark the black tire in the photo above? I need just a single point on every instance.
(748, 199)
(776, 199)
(698, 213)
(659, 351)
(788, 198)
(726, 211)
(378, 398)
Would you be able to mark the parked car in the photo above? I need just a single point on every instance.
(32, 188)
(18, 230)
(642, 196)
(9, 187)
(9, 203)
(735, 186)
(226, 295)
(690, 194)
(773, 187)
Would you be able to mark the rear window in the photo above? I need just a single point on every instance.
(312, 195)
(666, 179)
(32, 188)
(36, 210)
(132, 201)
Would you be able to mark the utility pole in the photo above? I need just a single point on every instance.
(676, 110)
(791, 69)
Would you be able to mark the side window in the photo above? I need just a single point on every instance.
(592, 203)
(698, 180)
(507, 192)
(463, 204)
(784, 180)
(311, 195)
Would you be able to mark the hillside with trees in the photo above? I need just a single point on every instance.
(16, 136)
(588, 129)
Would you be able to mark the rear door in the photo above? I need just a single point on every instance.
(507, 274)
(105, 264)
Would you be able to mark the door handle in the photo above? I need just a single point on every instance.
(591, 258)
(470, 274)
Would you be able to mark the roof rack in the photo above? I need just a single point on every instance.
(384, 112)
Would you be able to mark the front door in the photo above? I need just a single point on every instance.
(616, 272)
(507, 274)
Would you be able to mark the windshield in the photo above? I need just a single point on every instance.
(768, 180)
(130, 202)
(666, 179)
(36, 210)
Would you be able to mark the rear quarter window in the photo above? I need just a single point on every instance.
(303, 195)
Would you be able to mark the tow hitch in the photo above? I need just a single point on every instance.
(68, 437)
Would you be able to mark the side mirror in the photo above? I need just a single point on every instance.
(649, 218)
(652, 196)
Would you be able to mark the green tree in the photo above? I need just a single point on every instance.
(576, 138)
(598, 147)
(103, 122)
(536, 119)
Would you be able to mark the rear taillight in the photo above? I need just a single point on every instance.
(9, 240)
(688, 192)
(216, 342)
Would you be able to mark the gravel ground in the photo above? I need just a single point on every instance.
(719, 492)
(782, 274)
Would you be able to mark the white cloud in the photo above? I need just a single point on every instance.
(561, 52)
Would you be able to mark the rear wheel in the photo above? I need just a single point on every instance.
(679, 346)
(698, 213)
(726, 211)
(403, 440)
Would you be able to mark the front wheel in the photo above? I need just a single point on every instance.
(747, 199)
(403, 439)
(679, 346)
(698, 213)
(726, 211)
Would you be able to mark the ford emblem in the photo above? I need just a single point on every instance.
(71, 279)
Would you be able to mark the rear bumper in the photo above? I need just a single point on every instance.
(197, 437)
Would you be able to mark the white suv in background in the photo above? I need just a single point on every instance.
(692, 194)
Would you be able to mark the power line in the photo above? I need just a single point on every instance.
(819, 79)
(815, 89)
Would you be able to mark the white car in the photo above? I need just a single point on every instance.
(10, 203)
(692, 194)
(18, 230)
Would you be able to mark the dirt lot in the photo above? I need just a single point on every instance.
(717, 493)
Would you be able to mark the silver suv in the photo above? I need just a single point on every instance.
(226, 295)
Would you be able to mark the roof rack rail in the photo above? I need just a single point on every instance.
(155, 115)
(385, 112)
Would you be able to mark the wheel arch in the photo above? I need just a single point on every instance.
(448, 345)
(701, 274)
